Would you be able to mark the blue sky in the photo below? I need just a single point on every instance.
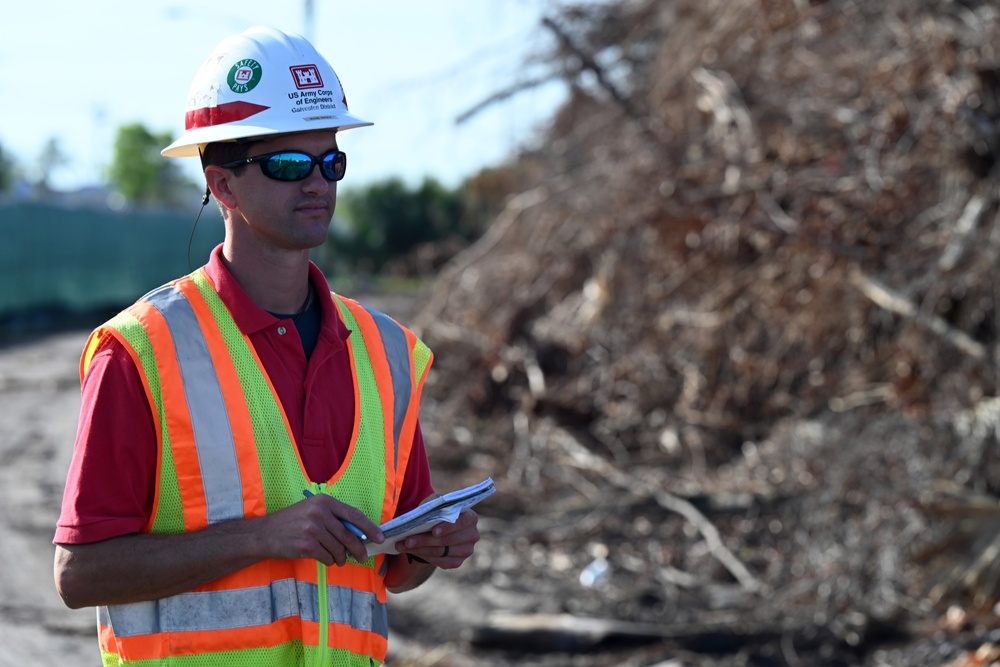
(75, 71)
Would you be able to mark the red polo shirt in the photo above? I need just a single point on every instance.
(112, 477)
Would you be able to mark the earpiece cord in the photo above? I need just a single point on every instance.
(204, 203)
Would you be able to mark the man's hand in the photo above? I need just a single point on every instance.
(314, 528)
(447, 545)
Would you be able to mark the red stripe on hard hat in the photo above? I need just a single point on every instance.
(223, 113)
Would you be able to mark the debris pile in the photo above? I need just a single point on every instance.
(731, 351)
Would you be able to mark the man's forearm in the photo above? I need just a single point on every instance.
(133, 568)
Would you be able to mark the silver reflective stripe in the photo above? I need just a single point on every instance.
(213, 434)
(346, 606)
(245, 607)
(359, 609)
(207, 610)
(398, 354)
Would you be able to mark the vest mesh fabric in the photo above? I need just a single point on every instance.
(292, 654)
(421, 357)
(356, 480)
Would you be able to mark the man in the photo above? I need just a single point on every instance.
(240, 422)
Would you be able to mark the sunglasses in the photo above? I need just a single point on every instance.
(296, 165)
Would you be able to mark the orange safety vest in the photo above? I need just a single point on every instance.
(226, 452)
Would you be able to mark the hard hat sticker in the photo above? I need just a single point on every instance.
(306, 76)
(244, 76)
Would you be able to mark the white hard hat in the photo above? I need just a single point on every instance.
(258, 83)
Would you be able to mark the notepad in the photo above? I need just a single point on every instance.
(421, 519)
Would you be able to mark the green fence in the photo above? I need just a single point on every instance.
(81, 260)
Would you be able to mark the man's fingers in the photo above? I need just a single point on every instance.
(446, 557)
(336, 530)
(357, 522)
(352, 544)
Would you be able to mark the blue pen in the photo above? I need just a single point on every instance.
(347, 524)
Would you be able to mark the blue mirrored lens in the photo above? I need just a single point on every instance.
(334, 165)
(288, 166)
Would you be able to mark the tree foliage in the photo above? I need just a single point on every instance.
(388, 219)
(140, 173)
(8, 171)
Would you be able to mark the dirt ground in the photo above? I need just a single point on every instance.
(39, 405)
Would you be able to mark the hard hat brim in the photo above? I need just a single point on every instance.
(189, 143)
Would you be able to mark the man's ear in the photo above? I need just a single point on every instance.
(217, 179)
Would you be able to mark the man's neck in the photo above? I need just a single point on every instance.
(277, 281)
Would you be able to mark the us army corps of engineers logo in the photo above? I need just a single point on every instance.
(244, 76)
(306, 76)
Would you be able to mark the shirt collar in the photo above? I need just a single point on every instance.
(251, 318)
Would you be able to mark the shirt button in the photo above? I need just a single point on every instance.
(281, 331)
